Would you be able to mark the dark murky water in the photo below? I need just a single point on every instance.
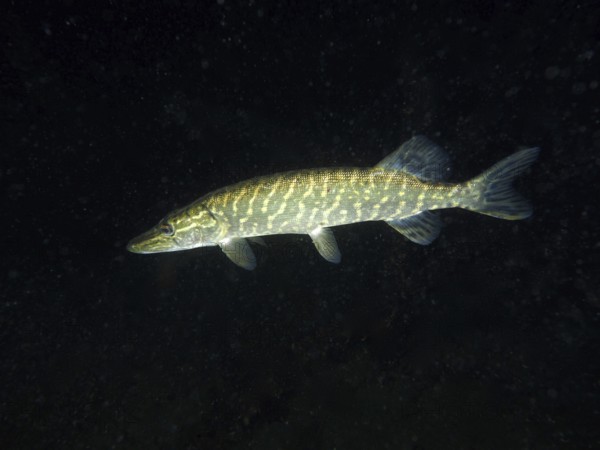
(113, 115)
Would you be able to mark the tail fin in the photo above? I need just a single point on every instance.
(491, 193)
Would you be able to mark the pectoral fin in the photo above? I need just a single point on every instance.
(257, 240)
(326, 245)
(421, 228)
(238, 250)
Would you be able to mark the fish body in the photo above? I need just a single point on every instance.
(297, 201)
(401, 190)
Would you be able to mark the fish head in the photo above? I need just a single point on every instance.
(183, 229)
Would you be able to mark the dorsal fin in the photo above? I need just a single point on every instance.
(419, 157)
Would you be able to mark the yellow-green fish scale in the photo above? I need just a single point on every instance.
(301, 201)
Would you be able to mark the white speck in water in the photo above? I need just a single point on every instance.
(512, 91)
(552, 72)
(585, 56)
(578, 88)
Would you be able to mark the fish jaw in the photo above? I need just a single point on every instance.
(152, 241)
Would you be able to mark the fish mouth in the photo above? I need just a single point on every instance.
(134, 246)
(152, 241)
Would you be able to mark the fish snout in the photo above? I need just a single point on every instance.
(147, 242)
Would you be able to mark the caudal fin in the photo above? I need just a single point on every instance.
(492, 193)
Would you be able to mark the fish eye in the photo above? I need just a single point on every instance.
(167, 229)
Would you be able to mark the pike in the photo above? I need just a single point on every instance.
(402, 190)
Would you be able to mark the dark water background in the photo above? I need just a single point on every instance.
(112, 114)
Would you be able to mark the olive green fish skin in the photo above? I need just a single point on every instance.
(297, 202)
(301, 201)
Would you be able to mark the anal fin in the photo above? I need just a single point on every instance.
(422, 228)
(326, 244)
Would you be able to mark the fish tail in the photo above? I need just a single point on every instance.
(492, 193)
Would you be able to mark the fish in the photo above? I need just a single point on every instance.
(404, 190)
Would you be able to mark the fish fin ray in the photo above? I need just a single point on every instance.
(326, 244)
(422, 228)
(492, 193)
(238, 250)
(257, 240)
(419, 157)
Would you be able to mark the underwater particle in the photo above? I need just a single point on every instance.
(512, 91)
(551, 72)
(578, 88)
(585, 56)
